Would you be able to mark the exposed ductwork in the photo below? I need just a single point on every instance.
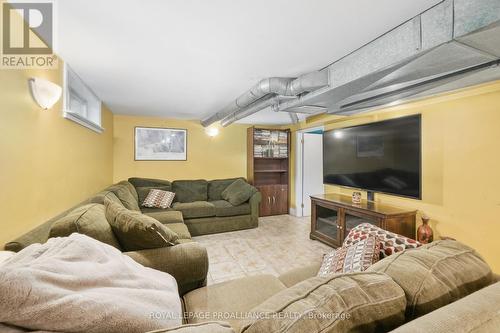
(453, 45)
(245, 112)
(270, 87)
(294, 118)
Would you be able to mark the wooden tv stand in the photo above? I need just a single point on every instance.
(334, 215)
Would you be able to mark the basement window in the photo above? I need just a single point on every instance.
(81, 105)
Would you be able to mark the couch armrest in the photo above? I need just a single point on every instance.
(294, 276)
(206, 327)
(187, 263)
(254, 204)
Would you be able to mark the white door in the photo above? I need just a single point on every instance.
(312, 169)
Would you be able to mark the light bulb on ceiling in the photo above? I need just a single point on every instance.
(212, 131)
(44, 92)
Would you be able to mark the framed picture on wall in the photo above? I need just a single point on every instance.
(160, 144)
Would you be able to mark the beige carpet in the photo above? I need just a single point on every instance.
(279, 244)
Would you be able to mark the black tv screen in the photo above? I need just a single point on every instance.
(380, 157)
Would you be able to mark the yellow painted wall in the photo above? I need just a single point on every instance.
(222, 156)
(47, 163)
(460, 162)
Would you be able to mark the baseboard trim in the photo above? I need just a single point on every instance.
(293, 212)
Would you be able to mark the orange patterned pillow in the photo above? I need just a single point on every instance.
(159, 199)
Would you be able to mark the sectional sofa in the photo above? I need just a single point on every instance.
(203, 209)
(198, 209)
(440, 287)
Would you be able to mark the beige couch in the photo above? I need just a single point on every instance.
(441, 287)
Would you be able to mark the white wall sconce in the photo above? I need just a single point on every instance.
(44, 92)
(212, 131)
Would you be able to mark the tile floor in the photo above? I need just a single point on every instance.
(279, 244)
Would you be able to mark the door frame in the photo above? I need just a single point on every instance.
(299, 167)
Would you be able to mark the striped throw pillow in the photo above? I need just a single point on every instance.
(351, 258)
(159, 199)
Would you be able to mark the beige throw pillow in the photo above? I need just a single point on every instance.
(159, 199)
(136, 231)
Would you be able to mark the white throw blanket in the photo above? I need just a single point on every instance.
(78, 284)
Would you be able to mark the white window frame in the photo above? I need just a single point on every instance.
(85, 94)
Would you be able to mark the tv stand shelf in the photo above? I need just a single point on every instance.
(334, 215)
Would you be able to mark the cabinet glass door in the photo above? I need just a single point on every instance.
(352, 220)
(327, 223)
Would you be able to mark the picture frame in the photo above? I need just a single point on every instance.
(160, 144)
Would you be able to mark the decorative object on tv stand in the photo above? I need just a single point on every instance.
(160, 144)
(356, 198)
(424, 232)
(44, 92)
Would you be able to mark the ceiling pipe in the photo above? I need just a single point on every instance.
(294, 118)
(270, 86)
(256, 107)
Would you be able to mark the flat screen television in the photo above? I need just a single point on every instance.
(379, 157)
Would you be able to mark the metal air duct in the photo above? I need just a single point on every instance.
(453, 45)
(269, 87)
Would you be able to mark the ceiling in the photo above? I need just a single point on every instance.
(189, 58)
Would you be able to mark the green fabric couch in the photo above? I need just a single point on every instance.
(203, 209)
(448, 283)
(187, 261)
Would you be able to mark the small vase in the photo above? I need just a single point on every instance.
(356, 198)
(424, 232)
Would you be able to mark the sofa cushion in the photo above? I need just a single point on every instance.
(217, 186)
(136, 231)
(435, 275)
(216, 224)
(207, 327)
(131, 188)
(232, 297)
(238, 192)
(351, 258)
(142, 192)
(89, 220)
(103, 195)
(476, 313)
(195, 209)
(224, 208)
(190, 190)
(128, 198)
(296, 275)
(165, 216)
(149, 182)
(180, 229)
(353, 302)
